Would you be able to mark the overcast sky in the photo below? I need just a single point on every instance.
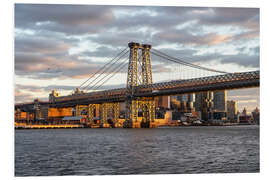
(59, 46)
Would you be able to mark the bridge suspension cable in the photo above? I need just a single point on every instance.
(103, 67)
(123, 64)
(179, 61)
(108, 73)
(106, 69)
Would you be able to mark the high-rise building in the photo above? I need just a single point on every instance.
(186, 101)
(204, 104)
(232, 111)
(220, 100)
(163, 102)
(183, 97)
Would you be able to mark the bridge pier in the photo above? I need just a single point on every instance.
(131, 114)
(147, 106)
(116, 112)
(93, 110)
(80, 109)
(112, 110)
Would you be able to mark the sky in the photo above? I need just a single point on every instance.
(60, 46)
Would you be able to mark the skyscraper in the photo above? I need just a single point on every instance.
(186, 101)
(163, 101)
(232, 111)
(204, 104)
(220, 100)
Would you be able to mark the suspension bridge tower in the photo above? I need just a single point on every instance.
(139, 73)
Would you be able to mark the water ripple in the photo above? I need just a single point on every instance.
(59, 152)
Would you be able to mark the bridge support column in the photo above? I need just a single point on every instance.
(104, 115)
(116, 112)
(92, 112)
(80, 109)
(132, 114)
(148, 109)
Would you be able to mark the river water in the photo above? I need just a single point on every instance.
(45, 152)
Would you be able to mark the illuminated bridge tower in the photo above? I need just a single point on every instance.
(139, 73)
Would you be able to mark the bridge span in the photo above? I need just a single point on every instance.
(212, 83)
(139, 94)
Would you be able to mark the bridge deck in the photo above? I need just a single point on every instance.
(226, 81)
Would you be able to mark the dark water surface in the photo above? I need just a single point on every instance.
(57, 152)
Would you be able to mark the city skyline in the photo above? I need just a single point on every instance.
(58, 46)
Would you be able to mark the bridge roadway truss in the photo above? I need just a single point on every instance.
(212, 83)
(140, 91)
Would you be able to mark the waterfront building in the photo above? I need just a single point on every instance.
(220, 116)
(232, 111)
(163, 102)
(245, 118)
(175, 104)
(256, 115)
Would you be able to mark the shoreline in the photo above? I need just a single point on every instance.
(86, 127)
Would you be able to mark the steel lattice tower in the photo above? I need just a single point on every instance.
(135, 77)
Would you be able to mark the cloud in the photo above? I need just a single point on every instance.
(246, 57)
(26, 92)
(46, 67)
(71, 19)
(22, 97)
(74, 41)
(245, 17)
(242, 59)
(32, 88)
(41, 45)
(185, 37)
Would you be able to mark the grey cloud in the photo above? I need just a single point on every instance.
(242, 59)
(103, 51)
(90, 18)
(121, 39)
(45, 54)
(32, 88)
(247, 17)
(75, 17)
(184, 37)
(37, 66)
(48, 89)
(22, 97)
(40, 45)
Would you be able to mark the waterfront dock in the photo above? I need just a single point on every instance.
(43, 126)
